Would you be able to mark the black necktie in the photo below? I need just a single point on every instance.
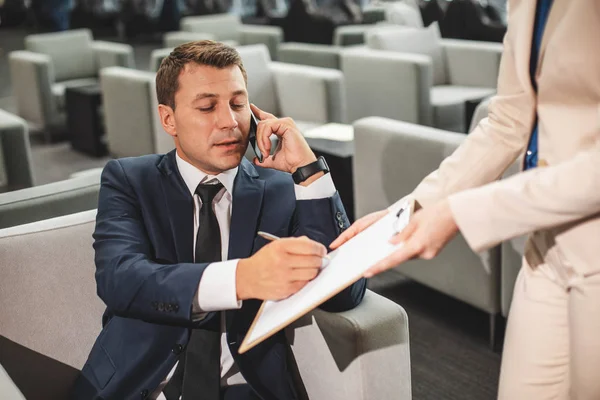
(198, 373)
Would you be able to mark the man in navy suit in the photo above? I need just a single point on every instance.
(183, 281)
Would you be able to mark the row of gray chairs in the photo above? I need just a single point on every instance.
(408, 74)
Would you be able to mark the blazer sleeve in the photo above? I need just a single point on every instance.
(498, 139)
(129, 281)
(323, 220)
(533, 200)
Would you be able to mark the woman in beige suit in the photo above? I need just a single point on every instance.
(547, 109)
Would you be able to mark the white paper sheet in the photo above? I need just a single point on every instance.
(347, 265)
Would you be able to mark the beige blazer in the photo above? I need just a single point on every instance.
(559, 202)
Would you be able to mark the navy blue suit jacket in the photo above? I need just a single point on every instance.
(147, 278)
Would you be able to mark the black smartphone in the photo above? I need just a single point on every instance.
(252, 136)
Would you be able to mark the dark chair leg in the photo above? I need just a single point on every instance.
(493, 327)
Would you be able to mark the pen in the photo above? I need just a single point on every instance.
(271, 237)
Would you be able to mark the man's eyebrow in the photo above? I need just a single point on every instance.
(201, 96)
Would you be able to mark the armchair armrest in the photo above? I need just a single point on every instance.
(317, 55)
(109, 54)
(472, 63)
(310, 94)
(354, 355)
(32, 78)
(271, 36)
(397, 85)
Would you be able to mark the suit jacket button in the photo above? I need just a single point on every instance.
(341, 224)
(338, 215)
(176, 307)
(169, 307)
(161, 306)
(144, 393)
(177, 349)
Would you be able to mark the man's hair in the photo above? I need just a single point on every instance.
(204, 52)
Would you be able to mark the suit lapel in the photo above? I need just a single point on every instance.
(557, 11)
(180, 206)
(522, 21)
(246, 207)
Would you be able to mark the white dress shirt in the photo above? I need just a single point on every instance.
(217, 290)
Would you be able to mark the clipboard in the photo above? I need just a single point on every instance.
(347, 265)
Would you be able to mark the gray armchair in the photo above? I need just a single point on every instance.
(174, 39)
(130, 113)
(229, 27)
(311, 96)
(47, 201)
(418, 77)
(394, 157)
(362, 354)
(317, 55)
(51, 63)
(15, 153)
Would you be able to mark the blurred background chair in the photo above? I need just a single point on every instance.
(429, 80)
(131, 113)
(311, 96)
(394, 157)
(229, 27)
(51, 63)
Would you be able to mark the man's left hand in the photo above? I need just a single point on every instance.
(428, 231)
(292, 153)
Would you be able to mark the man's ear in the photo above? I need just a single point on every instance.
(167, 119)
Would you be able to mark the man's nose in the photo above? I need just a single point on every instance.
(226, 119)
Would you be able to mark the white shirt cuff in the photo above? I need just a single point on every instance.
(217, 290)
(322, 188)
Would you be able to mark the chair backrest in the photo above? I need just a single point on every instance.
(403, 14)
(412, 40)
(222, 26)
(316, 55)
(50, 315)
(71, 52)
(130, 113)
(394, 157)
(174, 39)
(48, 201)
(387, 84)
(261, 83)
(310, 94)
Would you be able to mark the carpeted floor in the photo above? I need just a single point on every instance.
(450, 355)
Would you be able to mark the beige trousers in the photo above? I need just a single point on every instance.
(552, 344)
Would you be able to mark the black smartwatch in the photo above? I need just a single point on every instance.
(303, 173)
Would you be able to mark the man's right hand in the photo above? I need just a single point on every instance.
(279, 269)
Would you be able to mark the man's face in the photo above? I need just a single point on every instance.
(211, 119)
